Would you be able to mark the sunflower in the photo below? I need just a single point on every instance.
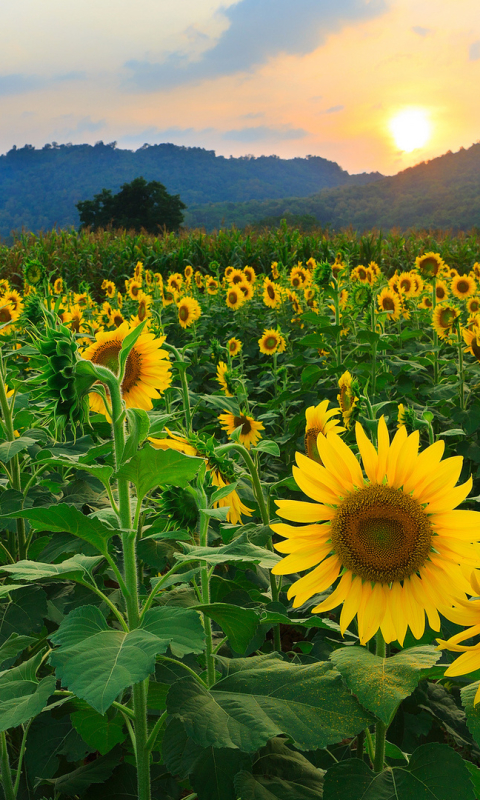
(406, 285)
(58, 286)
(250, 432)
(73, 318)
(472, 340)
(298, 277)
(393, 282)
(188, 272)
(250, 274)
(338, 266)
(81, 298)
(234, 346)
(389, 301)
(444, 318)
(134, 289)
(269, 342)
(224, 378)
(271, 294)
(143, 312)
(138, 271)
(441, 290)
(319, 420)
(275, 272)
(360, 273)
(429, 265)
(426, 302)
(375, 269)
(343, 299)
(148, 277)
(393, 538)
(212, 285)
(168, 297)
(116, 318)
(147, 371)
(109, 288)
(236, 276)
(473, 305)
(246, 289)
(4, 285)
(228, 272)
(33, 273)
(119, 299)
(175, 282)
(346, 399)
(400, 415)
(7, 314)
(234, 297)
(418, 285)
(463, 286)
(465, 613)
(188, 311)
(14, 298)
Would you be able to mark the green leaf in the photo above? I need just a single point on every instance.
(24, 614)
(310, 704)
(216, 513)
(218, 494)
(238, 550)
(382, 683)
(97, 662)
(13, 646)
(150, 468)
(22, 696)
(267, 446)
(98, 731)
(74, 569)
(472, 711)
(101, 471)
(127, 346)
(98, 771)
(435, 772)
(10, 449)
(48, 738)
(280, 774)
(6, 588)
(239, 624)
(138, 427)
(64, 518)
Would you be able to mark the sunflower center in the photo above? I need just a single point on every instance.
(232, 297)
(5, 314)
(441, 293)
(463, 287)
(429, 266)
(474, 306)
(270, 342)
(183, 313)
(381, 534)
(244, 422)
(107, 355)
(311, 436)
(388, 304)
(446, 318)
(133, 371)
(271, 292)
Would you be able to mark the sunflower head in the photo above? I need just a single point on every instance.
(234, 297)
(319, 420)
(58, 286)
(189, 311)
(249, 429)
(180, 505)
(322, 273)
(347, 399)
(429, 265)
(234, 346)
(444, 318)
(33, 272)
(269, 341)
(389, 301)
(361, 295)
(225, 378)
(463, 286)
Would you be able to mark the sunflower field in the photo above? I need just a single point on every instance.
(239, 550)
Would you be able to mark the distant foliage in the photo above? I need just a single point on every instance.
(139, 205)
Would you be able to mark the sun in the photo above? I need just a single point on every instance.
(411, 129)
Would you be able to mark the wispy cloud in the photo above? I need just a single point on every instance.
(421, 31)
(332, 110)
(262, 133)
(18, 83)
(173, 134)
(258, 30)
(474, 51)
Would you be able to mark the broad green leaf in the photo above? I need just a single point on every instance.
(472, 711)
(6, 588)
(216, 513)
(280, 773)
(276, 618)
(13, 646)
(474, 776)
(266, 446)
(310, 704)
(150, 468)
(49, 738)
(10, 449)
(99, 731)
(64, 518)
(238, 550)
(239, 624)
(138, 427)
(97, 662)
(22, 696)
(101, 471)
(257, 787)
(75, 569)
(75, 783)
(435, 772)
(24, 614)
(219, 494)
(382, 683)
(127, 346)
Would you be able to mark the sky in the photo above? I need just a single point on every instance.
(261, 77)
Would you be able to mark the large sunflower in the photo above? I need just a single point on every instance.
(392, 537)
(188, 311)
(444, 318)
(250, 433)
(430, 264)
(319, 420)
(389, 301)
(270, 341)
(147, 372)
(234, 297)
(463, 286)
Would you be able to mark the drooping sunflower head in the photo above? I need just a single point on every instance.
(269, 341)
(250, 428)
(322, 273)
(274, 269)
(463, 286)
(225, 379)
(346, 399)
(180, 506)
(429, 265)
(138, 272)
(189, 311)
(319, 420)
(234, 346)
(390, 537)
(444, 318)
(271, 293)
(58, 286)
(389, 301)
(361, 295)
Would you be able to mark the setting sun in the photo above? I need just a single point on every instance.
(411, 129)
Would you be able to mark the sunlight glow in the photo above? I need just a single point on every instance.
(411, 129)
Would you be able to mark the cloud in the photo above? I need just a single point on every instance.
(257, 31)
(332, 110)
(155, 135)
(262, 133)
(474, 51)
(18, 83)
(421, 31)
(75, 126)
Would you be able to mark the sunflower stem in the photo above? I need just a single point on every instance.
(460, 366)
(139, 690)
(6, 771)
(205, 592)
(182, 371)
(380, 727)
(374, 351)
(16, 479)
(435, 334)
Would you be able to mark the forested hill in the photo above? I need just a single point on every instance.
(441, 193)
(39, 188)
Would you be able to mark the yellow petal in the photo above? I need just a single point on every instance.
(300, 530)
(444, 501)
(383, 448)
(467, 662)
(313, 489)
(397, 443)
(318, 473)
(446, 476)
(349, 460)
(397, 610)
(316, 581)
(406, 459)
(298, 511)
(364, 600)
(301, 560)
(368, 453)
(351, 604)
(387, 627)
(373, 613)
(415, 613)
(425, 465)
(338, 595)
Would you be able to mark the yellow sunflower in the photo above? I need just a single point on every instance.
(74, 318)
(212, 285)
(5, 286)
(148, 277)
(473, 305)
(441, 290)
(224, 379)
(467, 613)
(168, 297)
(346, 399)
(110, 289)
(463, 286)
(269, 342)
(119, 299)
(7, 314)
(426, 302)
(430, 264)
(138, 271)
(234, 346)
(472, 340)
(188, 272)
(392, 537)
(236, 276)
(234, 297)
(406, 284)
(116, 318)
(147, 372)
(250, 274)
(275, 272)
(188, 311)
(271, 294)
(250, 433)
(389, 301)
(175, 282)
(58, 286)
(134, 289)
(444, 318)
(246, 289)
(360, 273)
(319, 420)
(298, 277)
(228, 272)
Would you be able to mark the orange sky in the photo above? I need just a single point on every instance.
(242, 76)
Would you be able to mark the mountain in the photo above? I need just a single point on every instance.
(40, 188)
(441, 193)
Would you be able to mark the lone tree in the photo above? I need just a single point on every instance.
(138, 205)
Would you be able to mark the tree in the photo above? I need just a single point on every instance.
(138, 205)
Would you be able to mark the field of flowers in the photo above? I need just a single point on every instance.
(239, 550)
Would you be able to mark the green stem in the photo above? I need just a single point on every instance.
(374, 353)
(369, 741)
(182, 369)
(184, 666)
(158, 586)
(460, 367)
(20, 757)
(380, 727)
(155, 731)
(106, 600)
(16, 479)
(6, 772)
(435, 335)
(205, 584)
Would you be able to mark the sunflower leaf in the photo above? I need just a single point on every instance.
(434, 771)
(382, 683)
(75, 569)
(10, 449)
(150, 468)
(22, 695)
(310, 704)
(238, 550)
